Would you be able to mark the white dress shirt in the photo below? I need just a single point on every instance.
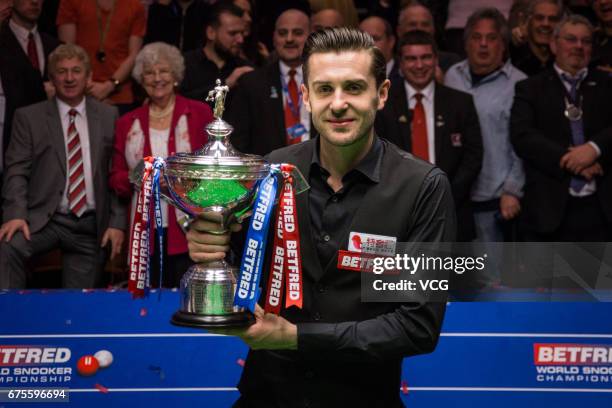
(590, 187)
(80, 122)
(428, 105)
(299, 78)
(22, 37)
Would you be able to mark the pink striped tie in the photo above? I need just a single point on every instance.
(77, 196)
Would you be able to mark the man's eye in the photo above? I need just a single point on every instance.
(324, 89)
(353, 88)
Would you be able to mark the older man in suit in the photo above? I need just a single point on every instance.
(267, 110)
(436, 123)
(55, 184)
(561, 126)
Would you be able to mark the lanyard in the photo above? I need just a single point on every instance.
(103, 32)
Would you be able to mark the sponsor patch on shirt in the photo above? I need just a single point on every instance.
(372, 244)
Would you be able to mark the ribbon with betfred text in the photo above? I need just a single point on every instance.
(247, 288)
(139, 238)
(286, 266)
(158, 164)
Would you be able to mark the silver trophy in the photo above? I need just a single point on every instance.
(217, 183)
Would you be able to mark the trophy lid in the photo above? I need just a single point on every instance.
(217, 159)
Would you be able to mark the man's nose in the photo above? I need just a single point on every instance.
(338, 103)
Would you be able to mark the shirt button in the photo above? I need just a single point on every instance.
(316, 316)
(326, 238)
(321, 288)
(309, 374)
(334, 199)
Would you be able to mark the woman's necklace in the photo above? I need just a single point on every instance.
(162, 113)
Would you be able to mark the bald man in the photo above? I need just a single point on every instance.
(382, 33)
(266, 110)
(418, 17)
(326, 18)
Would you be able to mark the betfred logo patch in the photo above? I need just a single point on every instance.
(371, 244)
(31, 355)
(571, 354)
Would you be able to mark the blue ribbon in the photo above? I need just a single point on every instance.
(247, 289)
(157, 166)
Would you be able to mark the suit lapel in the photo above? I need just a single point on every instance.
(587, 92)
(439, 117)
(403, 115)
(274, 82)
(95, 136)
(56, 133)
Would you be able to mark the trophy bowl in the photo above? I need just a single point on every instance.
(219, 184)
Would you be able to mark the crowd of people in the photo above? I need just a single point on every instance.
(507, 97)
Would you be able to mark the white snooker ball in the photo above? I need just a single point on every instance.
(104, 357)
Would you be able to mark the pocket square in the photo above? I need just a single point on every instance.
(456, 139)
(273, 92)
(402, 119)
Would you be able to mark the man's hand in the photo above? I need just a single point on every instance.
(205, 246)
(236, 74)
(519, 35)
(578, 158)
(100, 90)
(509, 206)
(270, 332)
(49, 89)
(592, 171)
(115, 236)
(9, 229)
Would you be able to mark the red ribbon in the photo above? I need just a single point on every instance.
(286, 266)
(139, 236)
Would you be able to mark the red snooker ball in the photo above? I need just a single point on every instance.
(87, 365)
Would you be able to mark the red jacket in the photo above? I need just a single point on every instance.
(198, 115)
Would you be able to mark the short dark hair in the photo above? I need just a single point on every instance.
(213, 18)
(344, 39)
(417, 37)
(493, 14)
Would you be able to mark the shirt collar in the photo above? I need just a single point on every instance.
(284, 69)
(580, 74)
(427, 92)
(64, 108)
(369, 166)
(464, 69)
(20, 32)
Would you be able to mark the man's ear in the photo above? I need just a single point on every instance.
(383, 93)
(306, 97)
(210, 33)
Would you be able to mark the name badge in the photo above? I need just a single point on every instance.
(372, 244)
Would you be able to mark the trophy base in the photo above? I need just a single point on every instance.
(240, 319)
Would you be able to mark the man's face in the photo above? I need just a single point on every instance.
(342, 96)
(290, 34)
(418, 64)
(245, 6)
(328, 18)
(542, 23)
(70, 78)
(485, 47)
(376, 28)
(603, 9)
(415, 18)
(229, 36)
(28, 10)
(573, 47)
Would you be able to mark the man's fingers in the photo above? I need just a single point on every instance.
(205, 257)
(235, 227)
(207, 238)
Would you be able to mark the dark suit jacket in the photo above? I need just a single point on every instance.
(458, 143)
(541, 135)
(35, 168)
(256, 112)
(22, 83)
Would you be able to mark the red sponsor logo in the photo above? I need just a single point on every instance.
(571, 354)
(360, 262)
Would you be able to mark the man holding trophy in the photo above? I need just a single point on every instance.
(337, 350)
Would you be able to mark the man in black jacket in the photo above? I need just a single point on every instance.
(561, 126)
(338, 350)
(434, 122)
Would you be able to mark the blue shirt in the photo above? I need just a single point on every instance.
(502, 171)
